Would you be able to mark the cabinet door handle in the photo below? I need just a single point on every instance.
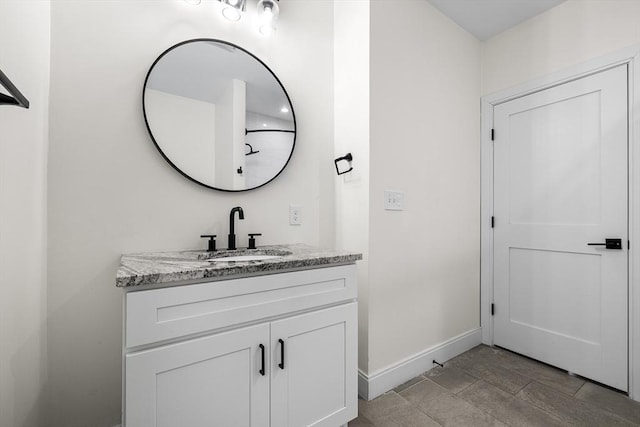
(262, 372)
(281, 364)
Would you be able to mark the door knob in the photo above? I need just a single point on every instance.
(609, 244)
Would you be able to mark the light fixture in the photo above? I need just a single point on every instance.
(284, 110)
(233, 9)
(268, 11)
(267, 15)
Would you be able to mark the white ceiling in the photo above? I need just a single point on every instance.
(486, 18)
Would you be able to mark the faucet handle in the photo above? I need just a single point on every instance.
(212, 241)
(252, 240)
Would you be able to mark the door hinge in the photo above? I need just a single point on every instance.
(493, 309)
(628, 244)
(493, 134)
(493, 222)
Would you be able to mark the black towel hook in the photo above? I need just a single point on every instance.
(348, 157)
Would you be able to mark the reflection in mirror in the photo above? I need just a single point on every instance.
(219, 115)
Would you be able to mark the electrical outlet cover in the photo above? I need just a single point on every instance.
(295, 215)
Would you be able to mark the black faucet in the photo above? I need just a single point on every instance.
(232, 235)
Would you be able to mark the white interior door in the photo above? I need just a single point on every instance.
(560, 182)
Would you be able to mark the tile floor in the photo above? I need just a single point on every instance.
(493, 387)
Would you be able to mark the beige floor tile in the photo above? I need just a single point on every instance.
(453, 379)
(568, 409)
(382, 406)
(540, 372)
(607, 399)
(360, 422)
(446, 408)
(410, 417)
(489, 386)
(506, 407)
(491, 370)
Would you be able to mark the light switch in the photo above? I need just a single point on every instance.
(393, 200)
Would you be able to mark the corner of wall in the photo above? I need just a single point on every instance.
(351, 135)
(23, 224)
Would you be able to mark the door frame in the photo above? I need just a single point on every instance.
(631, 57)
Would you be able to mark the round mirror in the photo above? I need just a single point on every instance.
(219, 115)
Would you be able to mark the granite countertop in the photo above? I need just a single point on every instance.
(157, 268)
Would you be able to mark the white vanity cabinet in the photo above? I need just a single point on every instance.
(317, 384)
(206, 381)
(278, 350)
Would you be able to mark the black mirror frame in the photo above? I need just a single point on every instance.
(16, 98)
(146, 121)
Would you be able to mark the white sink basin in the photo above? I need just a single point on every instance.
(241, 255)
(241, 258)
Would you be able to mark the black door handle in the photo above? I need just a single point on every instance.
(262, 372)
(609, 244)
(281, 364)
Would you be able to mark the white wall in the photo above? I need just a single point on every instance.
(573, 32)
(423, 261)
(184, 128)
(351, 44)
(111, 192)
(24, 58)
(407, 86)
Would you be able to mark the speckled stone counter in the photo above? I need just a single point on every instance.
(169, 268)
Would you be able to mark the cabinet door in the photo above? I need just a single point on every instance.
(317, 383)
(209, 381)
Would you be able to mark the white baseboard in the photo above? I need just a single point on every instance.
(380, 382)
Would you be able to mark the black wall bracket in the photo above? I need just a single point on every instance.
(348, 157)
(15, 97)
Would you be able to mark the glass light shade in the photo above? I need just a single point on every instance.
(232, 9)
(268, 11)
(231, 13)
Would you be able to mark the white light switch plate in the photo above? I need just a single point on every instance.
(295, 215)
(393, 200)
